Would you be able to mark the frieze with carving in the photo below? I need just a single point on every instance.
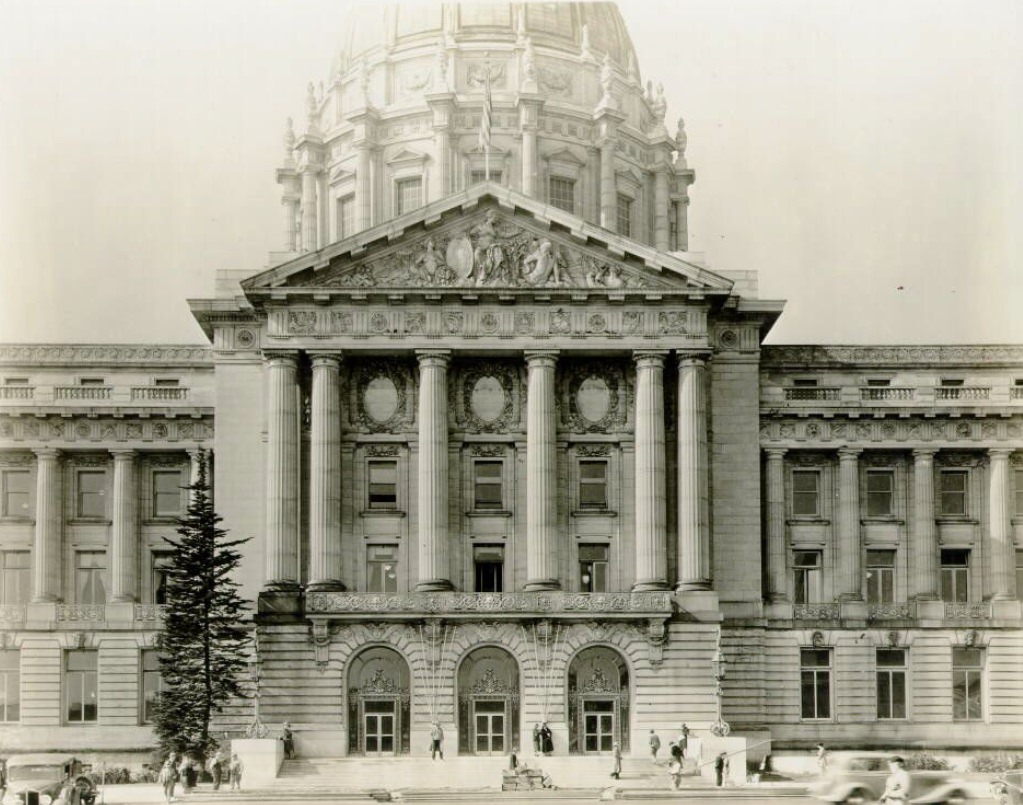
(593, 397)
(845, 357)
(554, 81)
(36, 354)
(889, 431)
(381, 396)
(487, 396)
(493, 603)
(102, 430)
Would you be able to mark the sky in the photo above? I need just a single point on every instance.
(865, 157)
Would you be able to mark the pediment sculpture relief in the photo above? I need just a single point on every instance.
(490, 252)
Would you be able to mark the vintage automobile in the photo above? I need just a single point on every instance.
(47, 779)
(861, 777)
(1007, 789)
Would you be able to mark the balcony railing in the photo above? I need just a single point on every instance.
(875, 393)
(962, 392)
(159, 393)
(12, 613)
(17, 392)
(811, 393)
(150, 613)
(492, 604)
(959, 611)
(816, 612)
(82, 392)
(81, 613)
(884, 612)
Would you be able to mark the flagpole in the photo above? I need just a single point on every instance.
(485, 121)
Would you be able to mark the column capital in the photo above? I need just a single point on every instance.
(48, 452)
(325, 357)
(776, 453)
(283, 356)
(693, 357)
(922, 454)
(1000, 453)
(433, 357)
(849, 453)
(541, 357)
(123, 454)
(649, 357)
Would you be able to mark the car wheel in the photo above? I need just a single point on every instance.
(86, 790)
(956, 798)
(857, 797)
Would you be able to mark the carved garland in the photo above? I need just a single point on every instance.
(613, 377)
(504, 374)
(400, 376)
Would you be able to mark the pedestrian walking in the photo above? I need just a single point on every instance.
(675, 751)
(168, 777)
(721, 768)
(235, 770)
(683, 740)
(187, 774)
(546, 740)
(513, 759)
(675, 768)
(822, 759)
(617, 772)
(215, 766)
(655, 745)
(436, 741)
(536, 739)
(896, 787)
(289, 740)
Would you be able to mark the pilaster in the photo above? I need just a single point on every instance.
(923, 543)
(1001, 544)
(46, 547)
(777, 556)
(529, 119)
(850, 576)
(651, 497)
(607, 120)
(124, 534)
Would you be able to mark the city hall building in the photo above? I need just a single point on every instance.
(508, 453)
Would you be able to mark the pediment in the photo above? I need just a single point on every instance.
(564, 155)
(490, 238)
(341, 174)
(407, 155)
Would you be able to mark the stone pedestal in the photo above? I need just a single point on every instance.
(261, 760)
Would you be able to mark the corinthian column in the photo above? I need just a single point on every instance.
(124, 534)
(309, 209)
(541, 474)
(661, 202)
(923, 545)
(850, 574)
(282, 440)
(651, 505)
(1002, 551)
(325, 475)
(693, 499)
(777, 576)
(433, 470)
(608, 188)
(49, 518)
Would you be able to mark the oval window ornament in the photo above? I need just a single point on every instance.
(380, 399)
(593, 399)
(487, 399)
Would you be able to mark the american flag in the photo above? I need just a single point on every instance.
(488, 110)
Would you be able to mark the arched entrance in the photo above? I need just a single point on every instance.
(598, 701)
(488, 702)
(378, 703)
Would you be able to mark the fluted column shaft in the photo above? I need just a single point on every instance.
(282, 472)
(529, 161)
(309, 210)
(1002, 548)
(541, 474)
(288, 207)
(364, 187)
(325, 475)
(777, 564)
(923, 543)
(850, 574)
(323, 208)
(439, 186)
(46, 547)
(693, 498)
(651, 496)
(661, 209)
(124, 533)
(433, 470)
(608, 190)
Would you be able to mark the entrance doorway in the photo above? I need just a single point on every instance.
(488, 702)
(378, 703)
(598, 702)
(379, 719)
(598, 725)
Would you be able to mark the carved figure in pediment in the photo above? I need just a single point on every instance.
(605, 275)
(431, 268)
(541, 265)
(488, 256)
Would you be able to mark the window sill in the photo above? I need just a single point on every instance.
(594, 513)
(956, 519)
(807, 521)
(13, 519)
(90, 521)
(163, 520)
(488, 513)
(371, 513)
(882, 519)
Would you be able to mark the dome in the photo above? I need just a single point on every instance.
(552, 25)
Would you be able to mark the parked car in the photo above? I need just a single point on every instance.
(861, 777)
(47, 779)
(1007, 789)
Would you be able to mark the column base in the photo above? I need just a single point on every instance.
(122, 599)
(434, 586)
(46, 598)
(541, 585)
(650, 586)
(692, 586)
(325, 586)
(279, 602)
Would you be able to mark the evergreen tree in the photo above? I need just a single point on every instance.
(203, 648)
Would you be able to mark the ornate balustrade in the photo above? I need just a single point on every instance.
(547, 604)
(159, 393)
(883, 612)
(82, 392)
(150, 614)
(962, 392)
(814, 393)
(12, 613)
(816, 612)
(960, 611)
(81, 613)
(17, 392)
(876, 393)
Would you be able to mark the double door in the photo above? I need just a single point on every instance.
(490, 726)
(380, 727)
(598, 725)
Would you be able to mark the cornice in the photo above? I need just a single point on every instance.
(892, 434)
(105, 355)
(845, 356)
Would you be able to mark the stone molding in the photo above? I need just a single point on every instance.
(77, 430)
(819, 357)
(816, 433)
(102, 354)
(639, 605)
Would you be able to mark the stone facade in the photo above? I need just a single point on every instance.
(509, 454)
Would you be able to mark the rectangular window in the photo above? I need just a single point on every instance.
(593, 484)
(951, 382)
(891, 683)
(408, 194)
(806, 493)
(815, 682)
(805, 382)
(955, 575)
(15, 578)
(806, 567)
(593, 568)
(488, 565)
(90, 577)
(953, 492)
(624, 215)
(10, 685)
(477, 176)
(383, 484)
(880, 577)
(562, 193)
(346, 216)
(878, 382)
(16, 488)
(488, 484)
(81, 686)
(23, 381)
(92, 493)
(161, 575)
(167, 382)
(967, 684)
(91, 381)
(1018, 478)
(167, 493)
(152, 684)
(382, 569)
(880, 493)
